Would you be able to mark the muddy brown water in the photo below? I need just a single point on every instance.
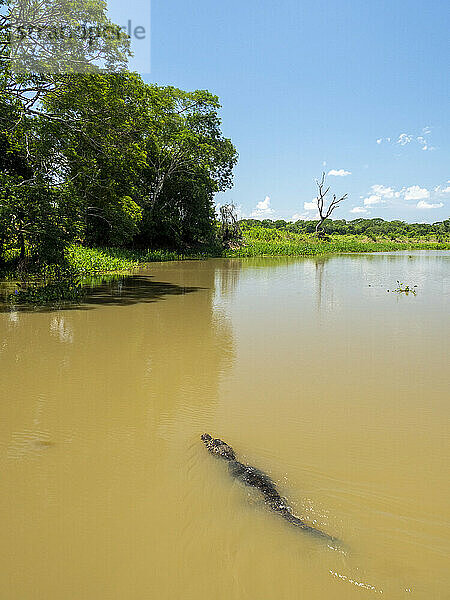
(309, 368)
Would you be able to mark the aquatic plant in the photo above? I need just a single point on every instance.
(402, 288)
(90, 261)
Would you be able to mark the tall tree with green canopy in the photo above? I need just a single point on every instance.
(186, 134)
(100, 153)
(136, 140)
(184, 215)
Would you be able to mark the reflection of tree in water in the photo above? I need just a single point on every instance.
(227, 276)
(134, 289)
(230, 271)
(150, 346)
(189, 343)
(319, 264)
(120, 290)
(323, 293)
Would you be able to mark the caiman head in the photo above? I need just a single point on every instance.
(218, 447)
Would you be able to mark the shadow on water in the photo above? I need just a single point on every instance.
(137, 288)
(112, 291)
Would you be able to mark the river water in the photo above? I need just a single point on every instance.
(309, 368)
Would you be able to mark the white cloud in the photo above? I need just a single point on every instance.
(442, 191)
(262, 209)
(380, 194)
(324, 164)
(423, 204)
(339, 172)
(423, 142)
(302, 217)
(359, 209)
(416, 193)
(373, 199)
(382, 190)
(310, 205)
(404, 138)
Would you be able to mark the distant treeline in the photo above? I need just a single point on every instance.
(372, 228)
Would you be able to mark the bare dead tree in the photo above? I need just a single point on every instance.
(230, 231)
(324, 211)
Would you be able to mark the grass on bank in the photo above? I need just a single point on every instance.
(55, 283)
(92, 261)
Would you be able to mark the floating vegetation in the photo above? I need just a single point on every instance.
(404, 289)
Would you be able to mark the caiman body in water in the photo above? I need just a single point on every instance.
(256, 478)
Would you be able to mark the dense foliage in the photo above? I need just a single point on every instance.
(108, 160)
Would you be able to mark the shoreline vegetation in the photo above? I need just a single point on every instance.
(51, 284)
(101, 173)
(262, 241)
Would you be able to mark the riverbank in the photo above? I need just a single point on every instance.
(54, 283)
(94, 261)
(44, 284)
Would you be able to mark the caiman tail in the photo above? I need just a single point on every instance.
(293, 520)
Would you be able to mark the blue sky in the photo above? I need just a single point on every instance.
(356, 88)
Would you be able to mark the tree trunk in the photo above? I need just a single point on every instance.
(22, 246)
(2, 243)
(319, 233)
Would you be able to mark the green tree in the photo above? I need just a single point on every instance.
(161, 146)
(96, 147)
(184, 215)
